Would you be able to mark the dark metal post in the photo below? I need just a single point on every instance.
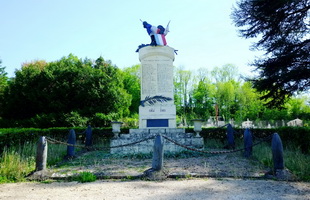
(72, 141)
(89, 138)
(41, 157)
(158, 154)
(248, 143)
(230, 137)
(277, 152)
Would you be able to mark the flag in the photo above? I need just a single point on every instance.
(160, 39)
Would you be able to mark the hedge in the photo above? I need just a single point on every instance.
(297, 136)
(20, 136)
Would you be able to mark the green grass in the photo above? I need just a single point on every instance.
(17, 162)
(294, 160)
(14, 166)
(297, 163)
(85, 177)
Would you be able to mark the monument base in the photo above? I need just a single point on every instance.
(147, 146)
(155, 117)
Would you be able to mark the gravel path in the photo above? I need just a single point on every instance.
(168, 190)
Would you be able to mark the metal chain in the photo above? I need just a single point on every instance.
(51, 140)
(208, 152)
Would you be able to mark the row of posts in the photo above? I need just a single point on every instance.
(41, 158)
(158, 153)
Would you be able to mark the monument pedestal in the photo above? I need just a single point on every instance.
(157, 109)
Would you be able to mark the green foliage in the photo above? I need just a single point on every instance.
(104, 120)
(85, 177)
(182, 81)
(75, 92)
(132, 85)
(3, 85)
(296, 136)
(70, 89)
(14, 167)
(203, 96)
(15, 137)
(282, 27)
(131, 122)
(294, 159)
(55, 153)
(297, 163)
(75, 119)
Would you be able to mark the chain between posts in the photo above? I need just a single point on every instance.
(51, 140)
(211, 152)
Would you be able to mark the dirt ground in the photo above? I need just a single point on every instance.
(170, 189)
(218, 166)
(229, 176)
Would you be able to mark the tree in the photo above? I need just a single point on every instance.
(182, 98)
(248, 105)
(68, 88)
(203, 98)
(225, 73)
(226, 87)
(225, 98)
(3, 84)
(283, 29)
(297, 107)
(3, 78)
(132, 86)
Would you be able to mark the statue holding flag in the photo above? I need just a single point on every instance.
(157, 34)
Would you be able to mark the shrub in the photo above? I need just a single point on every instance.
(84, 177)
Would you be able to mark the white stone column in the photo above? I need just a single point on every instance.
(157, 87)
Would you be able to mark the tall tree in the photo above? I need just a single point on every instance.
(3, 78)
(3, 84)
(203, 99)
(247, 103)
(182, 86)
(226, 88)
(132, 86)
(283, 29)
(67, 87)
(225, 73)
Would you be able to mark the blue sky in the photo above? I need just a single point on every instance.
(201, 30)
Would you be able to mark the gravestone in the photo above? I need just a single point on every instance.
(247, 124)
(157, 109)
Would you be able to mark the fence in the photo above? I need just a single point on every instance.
(158, 153)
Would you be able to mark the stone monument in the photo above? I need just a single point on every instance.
(157, 112)
(157, 107)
